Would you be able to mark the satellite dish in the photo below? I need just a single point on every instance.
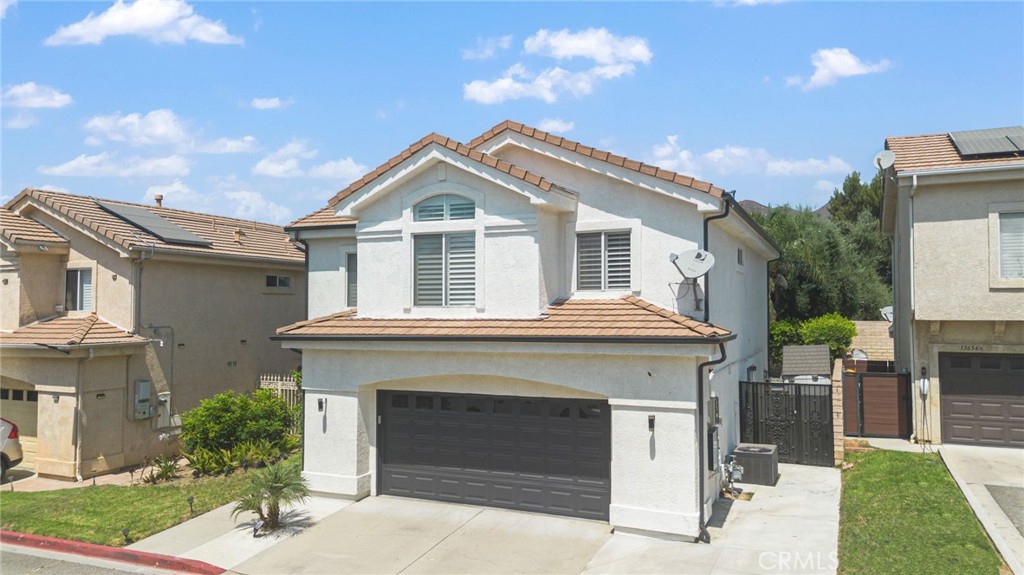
(858, 354)
(885, 159)
(693, 263)
(886, 313)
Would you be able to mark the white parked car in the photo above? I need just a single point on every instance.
(10, 447)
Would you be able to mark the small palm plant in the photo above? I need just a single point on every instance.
(271, 488)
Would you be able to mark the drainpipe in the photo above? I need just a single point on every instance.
(703, 535)
(78, 415)
(727, 197)
(138, 288)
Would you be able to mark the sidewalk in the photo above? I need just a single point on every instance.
(216, 539)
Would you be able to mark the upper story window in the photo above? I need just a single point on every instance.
(1011, 245)
(443, 208)
(444, 269)
(352, 280)
(603, 261)
(276, 281)
(78, 290)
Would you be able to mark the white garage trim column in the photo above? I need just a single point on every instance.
(337, 447)
(653, 474)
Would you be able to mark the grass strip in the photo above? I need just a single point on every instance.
(902, 513)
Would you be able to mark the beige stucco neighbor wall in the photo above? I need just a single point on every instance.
(28, 291)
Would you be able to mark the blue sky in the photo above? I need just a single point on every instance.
(264, 110)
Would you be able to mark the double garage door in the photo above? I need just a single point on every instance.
(532, 454)
(982, 399)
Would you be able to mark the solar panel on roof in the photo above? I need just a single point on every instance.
(994, 142)
(153, 224)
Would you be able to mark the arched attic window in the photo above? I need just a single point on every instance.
(443, 208)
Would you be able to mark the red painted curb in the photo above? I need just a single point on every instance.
(113, 553)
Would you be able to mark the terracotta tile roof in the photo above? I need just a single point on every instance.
(452, 145)
(255, 240)
(936, 151)
(624, 319)
(321, 218)
(636, 166)
(16, 228)
(69, 331)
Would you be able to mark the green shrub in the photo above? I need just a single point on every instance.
(832, 330)
(164, 469)
(782, 333)
(206, 461)
(229, 419)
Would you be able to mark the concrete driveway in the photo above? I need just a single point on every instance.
(992, 480)
(789, 528)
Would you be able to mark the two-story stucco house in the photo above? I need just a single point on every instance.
(116, 317)
(954, 206)
(522, 337)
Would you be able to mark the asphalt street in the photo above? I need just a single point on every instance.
(16, 560)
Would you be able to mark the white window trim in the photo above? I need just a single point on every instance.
(73, 266)
(631, 225)
(994, 279)
(345, 256)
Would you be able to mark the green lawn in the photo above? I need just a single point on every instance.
(96, 514)
(903, 513)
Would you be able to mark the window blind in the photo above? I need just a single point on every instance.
(1011, 245)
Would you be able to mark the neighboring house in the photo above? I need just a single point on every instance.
(954, 204)
(874, 339)
(117, 317)
(806, 364)
(522, 338)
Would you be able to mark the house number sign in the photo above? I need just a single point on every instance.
(972, 348)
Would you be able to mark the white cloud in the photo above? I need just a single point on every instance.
(158, 127)
(229, 146)
(740, 160)
(32, 95)
(555, 125)
(825, 186)
(20, 121)
(346, 170)
(4, 6)
(285, 162)
(109, 164)
(251, 205)
(269, 103)
(611, 57)
(832, 64)
(175, 195)
(597, 44)
(54, 188)
(158, 21)
(487, 48)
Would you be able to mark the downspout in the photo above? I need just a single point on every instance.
(703, 536)
(138, 289)
(728, 198)
(911, 336)
(78, 415)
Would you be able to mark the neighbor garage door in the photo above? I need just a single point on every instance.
(532, 454)
(982, 399)
(21, 406)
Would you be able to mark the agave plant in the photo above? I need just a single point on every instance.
(270, 489)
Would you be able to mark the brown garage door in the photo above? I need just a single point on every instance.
(982, 399)
(532, 454)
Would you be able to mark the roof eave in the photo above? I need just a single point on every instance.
(511, 339)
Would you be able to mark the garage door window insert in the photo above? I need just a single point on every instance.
(603, 261)
(78, 294)
(445, 269)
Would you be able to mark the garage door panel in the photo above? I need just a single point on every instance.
(982, 398)
(1016, 411)
(534, 454)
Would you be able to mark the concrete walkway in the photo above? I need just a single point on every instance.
(992, 480)
(792, 528)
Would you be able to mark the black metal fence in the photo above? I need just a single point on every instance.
(796, 417)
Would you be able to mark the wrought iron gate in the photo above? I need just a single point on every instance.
(796, 417)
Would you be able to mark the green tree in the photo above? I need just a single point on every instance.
(781, 334)
(270, 489)
(856, 197)
(832, 330)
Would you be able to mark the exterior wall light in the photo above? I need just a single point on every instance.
(650, 423)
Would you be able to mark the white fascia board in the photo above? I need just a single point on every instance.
(339, 232)
(963, 175)
(704, 201)
(693, 350)
(433, 153)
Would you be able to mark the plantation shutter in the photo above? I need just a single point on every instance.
(589, 262)
(460, 208)
(618, 266)
(444, 207)
(1011, 245)
(429, 270)
(352, 271)
(461, 267)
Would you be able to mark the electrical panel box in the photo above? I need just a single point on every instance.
(163, 409)
(143, 391)
(714, 416)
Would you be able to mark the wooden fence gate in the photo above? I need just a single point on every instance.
(876, 403)
(796, 417)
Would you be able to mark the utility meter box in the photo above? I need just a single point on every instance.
(143, 391)
(163, 409)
